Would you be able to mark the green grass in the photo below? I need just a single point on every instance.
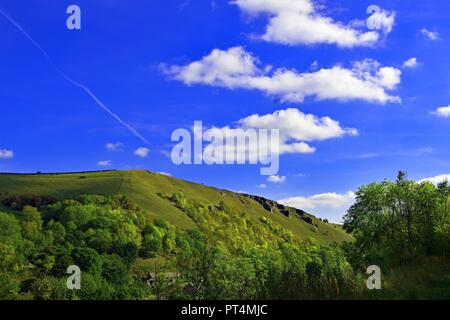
(151, 191)
(428, 278)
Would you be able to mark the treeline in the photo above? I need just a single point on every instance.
(102, 235)
(397, 223)
(229, 255)
(18, 202)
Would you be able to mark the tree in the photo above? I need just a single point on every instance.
(114, 269)
(31, 223)
(396, 222)
(88, 260)
(11, 258)
(9, 286)
(10, 231)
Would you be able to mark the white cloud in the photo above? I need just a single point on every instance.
(329, 205)
(261, 186)
(294, 22)
(437, 179)
(368, 155)
(227, 67)
(276, 179)
(104, 163)
(247, 145)
(296, 125)
(443, 112)
(330, 199)
(142, 152)
(432, 35)
(6, 154)
(236, 68)
(114, 146)
(410, 63)
(165, 173)
(296, 129)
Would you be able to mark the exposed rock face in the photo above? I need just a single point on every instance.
(271, 206)
(267, 204)
(268, 207)
(308, 220)
(285, 212)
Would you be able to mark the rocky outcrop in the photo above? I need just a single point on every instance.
(285, 212)
(308, 220)
(267, 204)
(268, 207)
(272, 207)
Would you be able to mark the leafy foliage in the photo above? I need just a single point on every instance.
(228, 256)
(232, 257)
(124, 254)
(399, 222)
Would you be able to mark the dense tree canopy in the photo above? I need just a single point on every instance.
(123, 254)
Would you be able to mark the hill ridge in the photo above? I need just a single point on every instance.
(152, 191)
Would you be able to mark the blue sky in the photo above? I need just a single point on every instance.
(135, 57)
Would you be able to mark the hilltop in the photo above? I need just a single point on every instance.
(152, 192)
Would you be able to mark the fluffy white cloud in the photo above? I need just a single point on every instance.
(410, 63)
(443, 112)
(432, 35)
(294, 22)
(6, 154)
(327, 205)
(437, 179)
(295, 130)
(261, 186)
(142, 152)
(226, 67)
(276, 179)
(236, 68)
(298, 126)
(114, 146)
(104, 163)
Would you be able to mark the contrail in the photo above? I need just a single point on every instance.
(101, 105)
(73, 82)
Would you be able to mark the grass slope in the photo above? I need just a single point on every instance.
(151, 190)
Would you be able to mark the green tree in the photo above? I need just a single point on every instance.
(88, 260)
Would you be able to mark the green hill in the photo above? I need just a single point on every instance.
(152, 191)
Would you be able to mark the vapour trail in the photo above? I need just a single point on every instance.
(101, 105)
(73, 82)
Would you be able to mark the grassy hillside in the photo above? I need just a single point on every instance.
(151, 191)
